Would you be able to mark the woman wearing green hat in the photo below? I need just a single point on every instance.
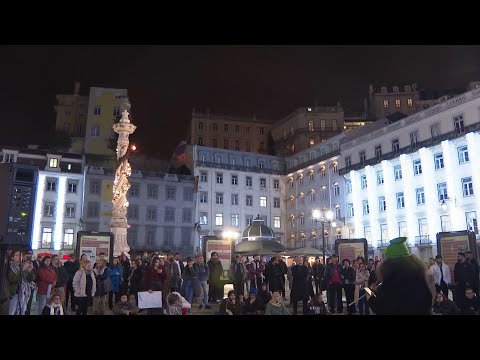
(403, 289)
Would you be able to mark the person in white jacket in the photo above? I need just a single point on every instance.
(441, 272)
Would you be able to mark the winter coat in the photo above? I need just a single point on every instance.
(71, 268)
(299, 283)
(225, 305)
(253, 308)
(464, 274)
(191, 274)
(174, 274)
(62, 276)
(243, 271)
(80, 283)
(430, 279)
(136, 280)
(276, 309)
(318, 272)
(265, 296)
(471, 306)
(127, 269)
(402, 298)
(329, 271)
(102, 278)
(47, 276)
(116, 275)
(203, 271)
(361, 281)
(120, 306)
(275, 275)
(216, 271)
(446, 307)
(153, 280)
(347, 275)
(255, 271)
(47, 308)
(13, 279)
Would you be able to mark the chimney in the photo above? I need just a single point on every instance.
(76, 91)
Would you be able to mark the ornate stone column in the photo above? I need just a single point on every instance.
(119, 225)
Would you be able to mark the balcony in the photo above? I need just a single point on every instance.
(423, 240)
(240, 167)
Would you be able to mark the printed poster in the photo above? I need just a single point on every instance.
(224, 250)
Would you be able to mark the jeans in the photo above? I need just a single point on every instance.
(29, 304)
(362, 303)
(189, 290)
(204, 286)
(335, 289)
(349, 295)
(12, 306)
(42, 300)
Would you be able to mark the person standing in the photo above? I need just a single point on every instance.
(84, 286)
(361, 282)
(284, 269)
(464, 276)
(469, 257)
(214, 280)
(238, 273)
(190, 281)
(255, 271)
(33, 287)
(136, 279)
(104, 286)
(334, 283)
(299, 292)
(347, 273)
(153, 280)
(115, 272)
(318, 275)
(47, 279)
(441, 272)
(71, 266)
(62, 276)
(18, 280)
(174, 273)
(127, 272)
(203, 272)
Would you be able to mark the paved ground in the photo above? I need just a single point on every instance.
(195, 306)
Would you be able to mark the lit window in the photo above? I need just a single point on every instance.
(397, 103)
(53, 163)
(68, 239)
(219, 219)
(276, 222)
(263, 201)
(410, 102)
(311, 142)
(385, 104)
(46, 237)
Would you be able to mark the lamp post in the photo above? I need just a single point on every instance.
(325, 217)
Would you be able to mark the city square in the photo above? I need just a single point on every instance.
(323, 201)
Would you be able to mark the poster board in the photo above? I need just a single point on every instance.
(449, 244)
(92, 243)
(147, 300)
(225, 250)
(351, 249)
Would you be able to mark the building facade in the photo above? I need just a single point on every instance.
(233, 188)
(229, 132)
(59, 198)
(386, 100)
(306, 127)
(313, 183)
(71, 117)
(415, 177)
(160, 212)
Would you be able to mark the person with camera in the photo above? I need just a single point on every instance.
(230, 305)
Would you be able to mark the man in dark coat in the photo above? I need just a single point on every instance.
(299, 285)
(215, 285)
(275, 274)
(403, 289)
(471, 304)
(284, 268)
(318, 275)
(464, 277)
(469, 257)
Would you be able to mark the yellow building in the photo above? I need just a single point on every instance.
(72, 117)
(103, 108)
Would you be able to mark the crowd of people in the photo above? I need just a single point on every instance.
(399, 284)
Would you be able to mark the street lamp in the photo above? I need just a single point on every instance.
(323, 217)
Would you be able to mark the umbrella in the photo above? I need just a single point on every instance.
(261, 247)
(306, 251)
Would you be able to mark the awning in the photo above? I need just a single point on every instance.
(261, 247)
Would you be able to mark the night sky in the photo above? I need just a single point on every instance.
(166, 82)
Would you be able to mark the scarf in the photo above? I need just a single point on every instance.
(15, 267)
(56, 309)
(275, 304)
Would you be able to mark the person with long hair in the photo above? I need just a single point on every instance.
(136, 279)
(18, 288)
(47, 279)
(103, 287)
(54, 305)
(153, 280)
(115, 271)
(84, 287)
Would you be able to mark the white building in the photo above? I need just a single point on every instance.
(313, 182)
(160, 211)
(58, 204)
(415, 177)
(234, 187)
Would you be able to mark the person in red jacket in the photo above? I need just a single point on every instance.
(153, 280)
(47, 279)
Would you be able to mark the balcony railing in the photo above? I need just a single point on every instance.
(422, 240)
(240, 167)
(314, 161)
(412, 148)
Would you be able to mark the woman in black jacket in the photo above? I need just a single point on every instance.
(347, 273)
(136, 279)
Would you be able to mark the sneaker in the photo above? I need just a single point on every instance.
(200, 307)
(208, 307)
